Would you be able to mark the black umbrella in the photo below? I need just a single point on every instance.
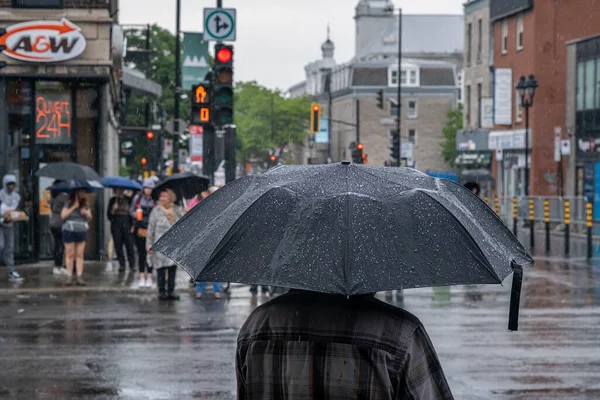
(185, 185)
(70, 186)
(476, 175)
(348, 229)
(69, 171)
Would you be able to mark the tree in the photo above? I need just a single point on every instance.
(267, 121)
(453, 124)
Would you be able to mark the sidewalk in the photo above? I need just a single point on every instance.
(100, 277)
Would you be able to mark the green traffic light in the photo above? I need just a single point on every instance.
(225, 95)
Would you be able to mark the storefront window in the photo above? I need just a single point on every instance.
(20, 101)
(53, 115)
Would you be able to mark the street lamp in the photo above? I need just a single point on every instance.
(526, 89)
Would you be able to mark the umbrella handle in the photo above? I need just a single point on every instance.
(515, 298)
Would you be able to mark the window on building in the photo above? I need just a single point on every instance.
(408, 76)
(520, 32)
(469, 43)
(412, 136)
(590, 85)
(587, 116)
(504, 36)
(468, 101)
(518, 109)
(479, 40)
(411, 111)
(37, 3)
(393, 108)
(478, 122)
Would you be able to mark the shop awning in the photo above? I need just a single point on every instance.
(137, 82)
(479, 158)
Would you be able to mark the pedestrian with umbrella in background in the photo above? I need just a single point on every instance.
(141, 207)
(9, 202)
(336, 234)
(162, 218)
(58, 202)
(118, 213)
(76, 215)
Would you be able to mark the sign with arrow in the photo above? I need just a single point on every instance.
(219, 24)
(195, 59)
(42, 41)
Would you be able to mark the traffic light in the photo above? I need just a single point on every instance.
(201, 101)
(144, 162)
(151, 160)
(315, 118)
(272, 160)
(223, 85)
(150, 135)
(395, 147)
(358, 157)
(380, 99)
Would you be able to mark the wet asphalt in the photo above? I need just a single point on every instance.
(114, 341)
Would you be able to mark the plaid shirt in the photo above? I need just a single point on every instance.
(305, 345)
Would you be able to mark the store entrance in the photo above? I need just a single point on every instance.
(44, 199)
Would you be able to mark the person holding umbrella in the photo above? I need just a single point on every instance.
(336, 234)
(120, 227)
(162, 218)
(76, 215)
(140, 210)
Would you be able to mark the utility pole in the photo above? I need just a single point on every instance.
(399, 93)
(357, 121)
(329, 116)
(176, 132)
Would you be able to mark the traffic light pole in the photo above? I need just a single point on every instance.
(399, 93)
(229, 155)
(176, 132)
(357, 121)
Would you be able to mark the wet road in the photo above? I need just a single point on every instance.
(103, 343)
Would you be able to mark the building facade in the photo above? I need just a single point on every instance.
(430, 79)
(59, 95)
(477, 99)
(555, 42)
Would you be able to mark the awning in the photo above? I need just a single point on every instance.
(479, 158)
(138, 83)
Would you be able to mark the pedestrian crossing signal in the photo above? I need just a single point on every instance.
(315, 118)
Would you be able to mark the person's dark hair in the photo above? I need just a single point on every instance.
(73, 198)
(473, 186)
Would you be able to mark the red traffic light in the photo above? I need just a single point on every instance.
(360, 147)
(224, 55)
(273, 158)
(316, 108)
(144, 161)
(150, 135)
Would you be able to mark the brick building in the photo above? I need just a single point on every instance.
(536, 37)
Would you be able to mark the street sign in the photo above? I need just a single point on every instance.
(195, 59)
(219, 24)
(170, 127)
(557, 144)
(499, 154)
(196, 143)
(407, 150)
(565, 147)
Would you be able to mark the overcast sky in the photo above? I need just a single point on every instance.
(276, 38)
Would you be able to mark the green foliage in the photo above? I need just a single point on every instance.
(266, 120)
(453, 124)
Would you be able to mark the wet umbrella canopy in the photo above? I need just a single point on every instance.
(69, 171)
(121, 183)
(185, 185)
(70, 186)
(345, 228)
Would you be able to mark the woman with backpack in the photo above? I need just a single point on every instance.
(141, 207)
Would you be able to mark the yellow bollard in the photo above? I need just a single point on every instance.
(497, 205)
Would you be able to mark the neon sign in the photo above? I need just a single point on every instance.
(53, 118)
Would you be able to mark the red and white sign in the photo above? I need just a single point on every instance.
(43, 41)
(196, 143)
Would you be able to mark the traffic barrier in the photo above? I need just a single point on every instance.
(531, 224)
(567, 215)
(589, 224)
(547, 223)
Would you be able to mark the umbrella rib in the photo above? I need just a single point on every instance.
(486, 264)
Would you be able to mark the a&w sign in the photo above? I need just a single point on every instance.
(43, 41)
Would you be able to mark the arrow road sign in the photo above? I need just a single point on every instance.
(219, 24)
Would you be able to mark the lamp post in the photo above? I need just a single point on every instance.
(526, 88)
